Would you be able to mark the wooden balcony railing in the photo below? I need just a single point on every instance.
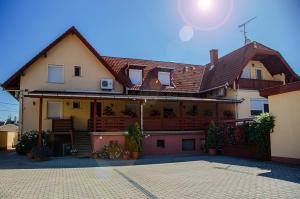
(150, 124)
(256, 84)
(111, 123)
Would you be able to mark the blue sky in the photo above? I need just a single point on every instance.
(141, 29)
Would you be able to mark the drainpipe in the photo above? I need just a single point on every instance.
(142, 122)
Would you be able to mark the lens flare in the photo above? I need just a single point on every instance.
(205, 15)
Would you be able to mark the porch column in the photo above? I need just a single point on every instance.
(40, 122)
(94, 115)
(181, 114)
(141, 115)
(217, 112)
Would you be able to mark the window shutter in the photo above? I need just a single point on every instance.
(55, 74)
(135, 76)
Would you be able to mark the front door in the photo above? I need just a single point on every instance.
(98, 109)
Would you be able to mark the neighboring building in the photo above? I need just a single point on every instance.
(8, 136)
(284, 102)
(70, 87)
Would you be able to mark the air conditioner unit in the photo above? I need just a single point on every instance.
(106, 84)
(221, 92)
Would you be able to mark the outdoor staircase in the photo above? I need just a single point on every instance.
(82, 144)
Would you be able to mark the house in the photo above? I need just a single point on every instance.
(8, 136)
(284, 105)
(88, 99)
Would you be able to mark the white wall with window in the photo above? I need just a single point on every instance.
(258, 106)
(136, 76)
(164, 78)
(54, 110)
(55, 74)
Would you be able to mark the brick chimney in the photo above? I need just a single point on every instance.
(213, 56)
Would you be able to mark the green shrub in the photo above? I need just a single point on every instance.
(28, 141)
(134, 138)
(211, 140)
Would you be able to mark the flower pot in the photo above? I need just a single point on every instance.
(95, 155)
(135, 155)
(125, 157)
(29, 155)
(212, 152)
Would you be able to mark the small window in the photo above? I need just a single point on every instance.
(76, 105)
(136, 76)
(164, 78)
(77, 71)
(259, 106)
(258, 74)
(54, 109)
(160, 143)
(188, 145)
(55, 74)
(246, 73)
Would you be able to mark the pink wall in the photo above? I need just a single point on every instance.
(172, 143)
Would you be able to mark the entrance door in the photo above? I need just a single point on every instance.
(98, 109)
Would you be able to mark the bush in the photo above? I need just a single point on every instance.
(133, 139)
(112, 151)
(28, 141)
(211, 140)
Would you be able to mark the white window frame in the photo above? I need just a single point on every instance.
(60, 109)
(246, 74)
(164, 78)
(53, 79)
(136, 76)
(80, 71)
(260, 105)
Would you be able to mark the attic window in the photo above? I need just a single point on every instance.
(164, 78)
(136, 76)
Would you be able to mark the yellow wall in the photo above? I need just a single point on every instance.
(265, 73)
(285, 140)
(69, 52)
(8, 140)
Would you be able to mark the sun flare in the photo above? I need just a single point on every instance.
(205, 5)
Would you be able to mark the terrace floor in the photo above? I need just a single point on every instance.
(150, 177)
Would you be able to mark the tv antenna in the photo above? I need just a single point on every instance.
(243, 25)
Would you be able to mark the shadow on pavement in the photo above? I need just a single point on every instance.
(11, 160)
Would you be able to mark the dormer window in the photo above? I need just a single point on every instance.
(136, 76)
(164, 78)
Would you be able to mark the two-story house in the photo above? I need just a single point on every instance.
(88, 99)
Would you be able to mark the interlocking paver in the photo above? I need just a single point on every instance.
(153, 177)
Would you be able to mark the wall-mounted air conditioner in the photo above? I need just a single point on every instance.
(106, 84)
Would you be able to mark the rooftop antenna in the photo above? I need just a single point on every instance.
(243, 25)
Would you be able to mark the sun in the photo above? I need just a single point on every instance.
(205, 5)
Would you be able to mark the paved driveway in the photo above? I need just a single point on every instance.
(150, 177)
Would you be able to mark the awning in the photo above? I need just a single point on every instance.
(83, 95)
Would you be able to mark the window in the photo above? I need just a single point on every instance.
(135, 76)
(55, 74)
(246, 73)
(77, 71)
(160, 143)
(258, 74)
(54, 109)
(76, 105)
(259, 106)
(188, 144)
(164, 78)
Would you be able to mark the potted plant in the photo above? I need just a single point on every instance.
(126, 155)
(129, 112)
(94, 154)
(108, 110)
(154, 113)
(211, 140)
(135, 140)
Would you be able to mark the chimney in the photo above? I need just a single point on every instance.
(213, 56)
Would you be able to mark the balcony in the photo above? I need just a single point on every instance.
(256, 84)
